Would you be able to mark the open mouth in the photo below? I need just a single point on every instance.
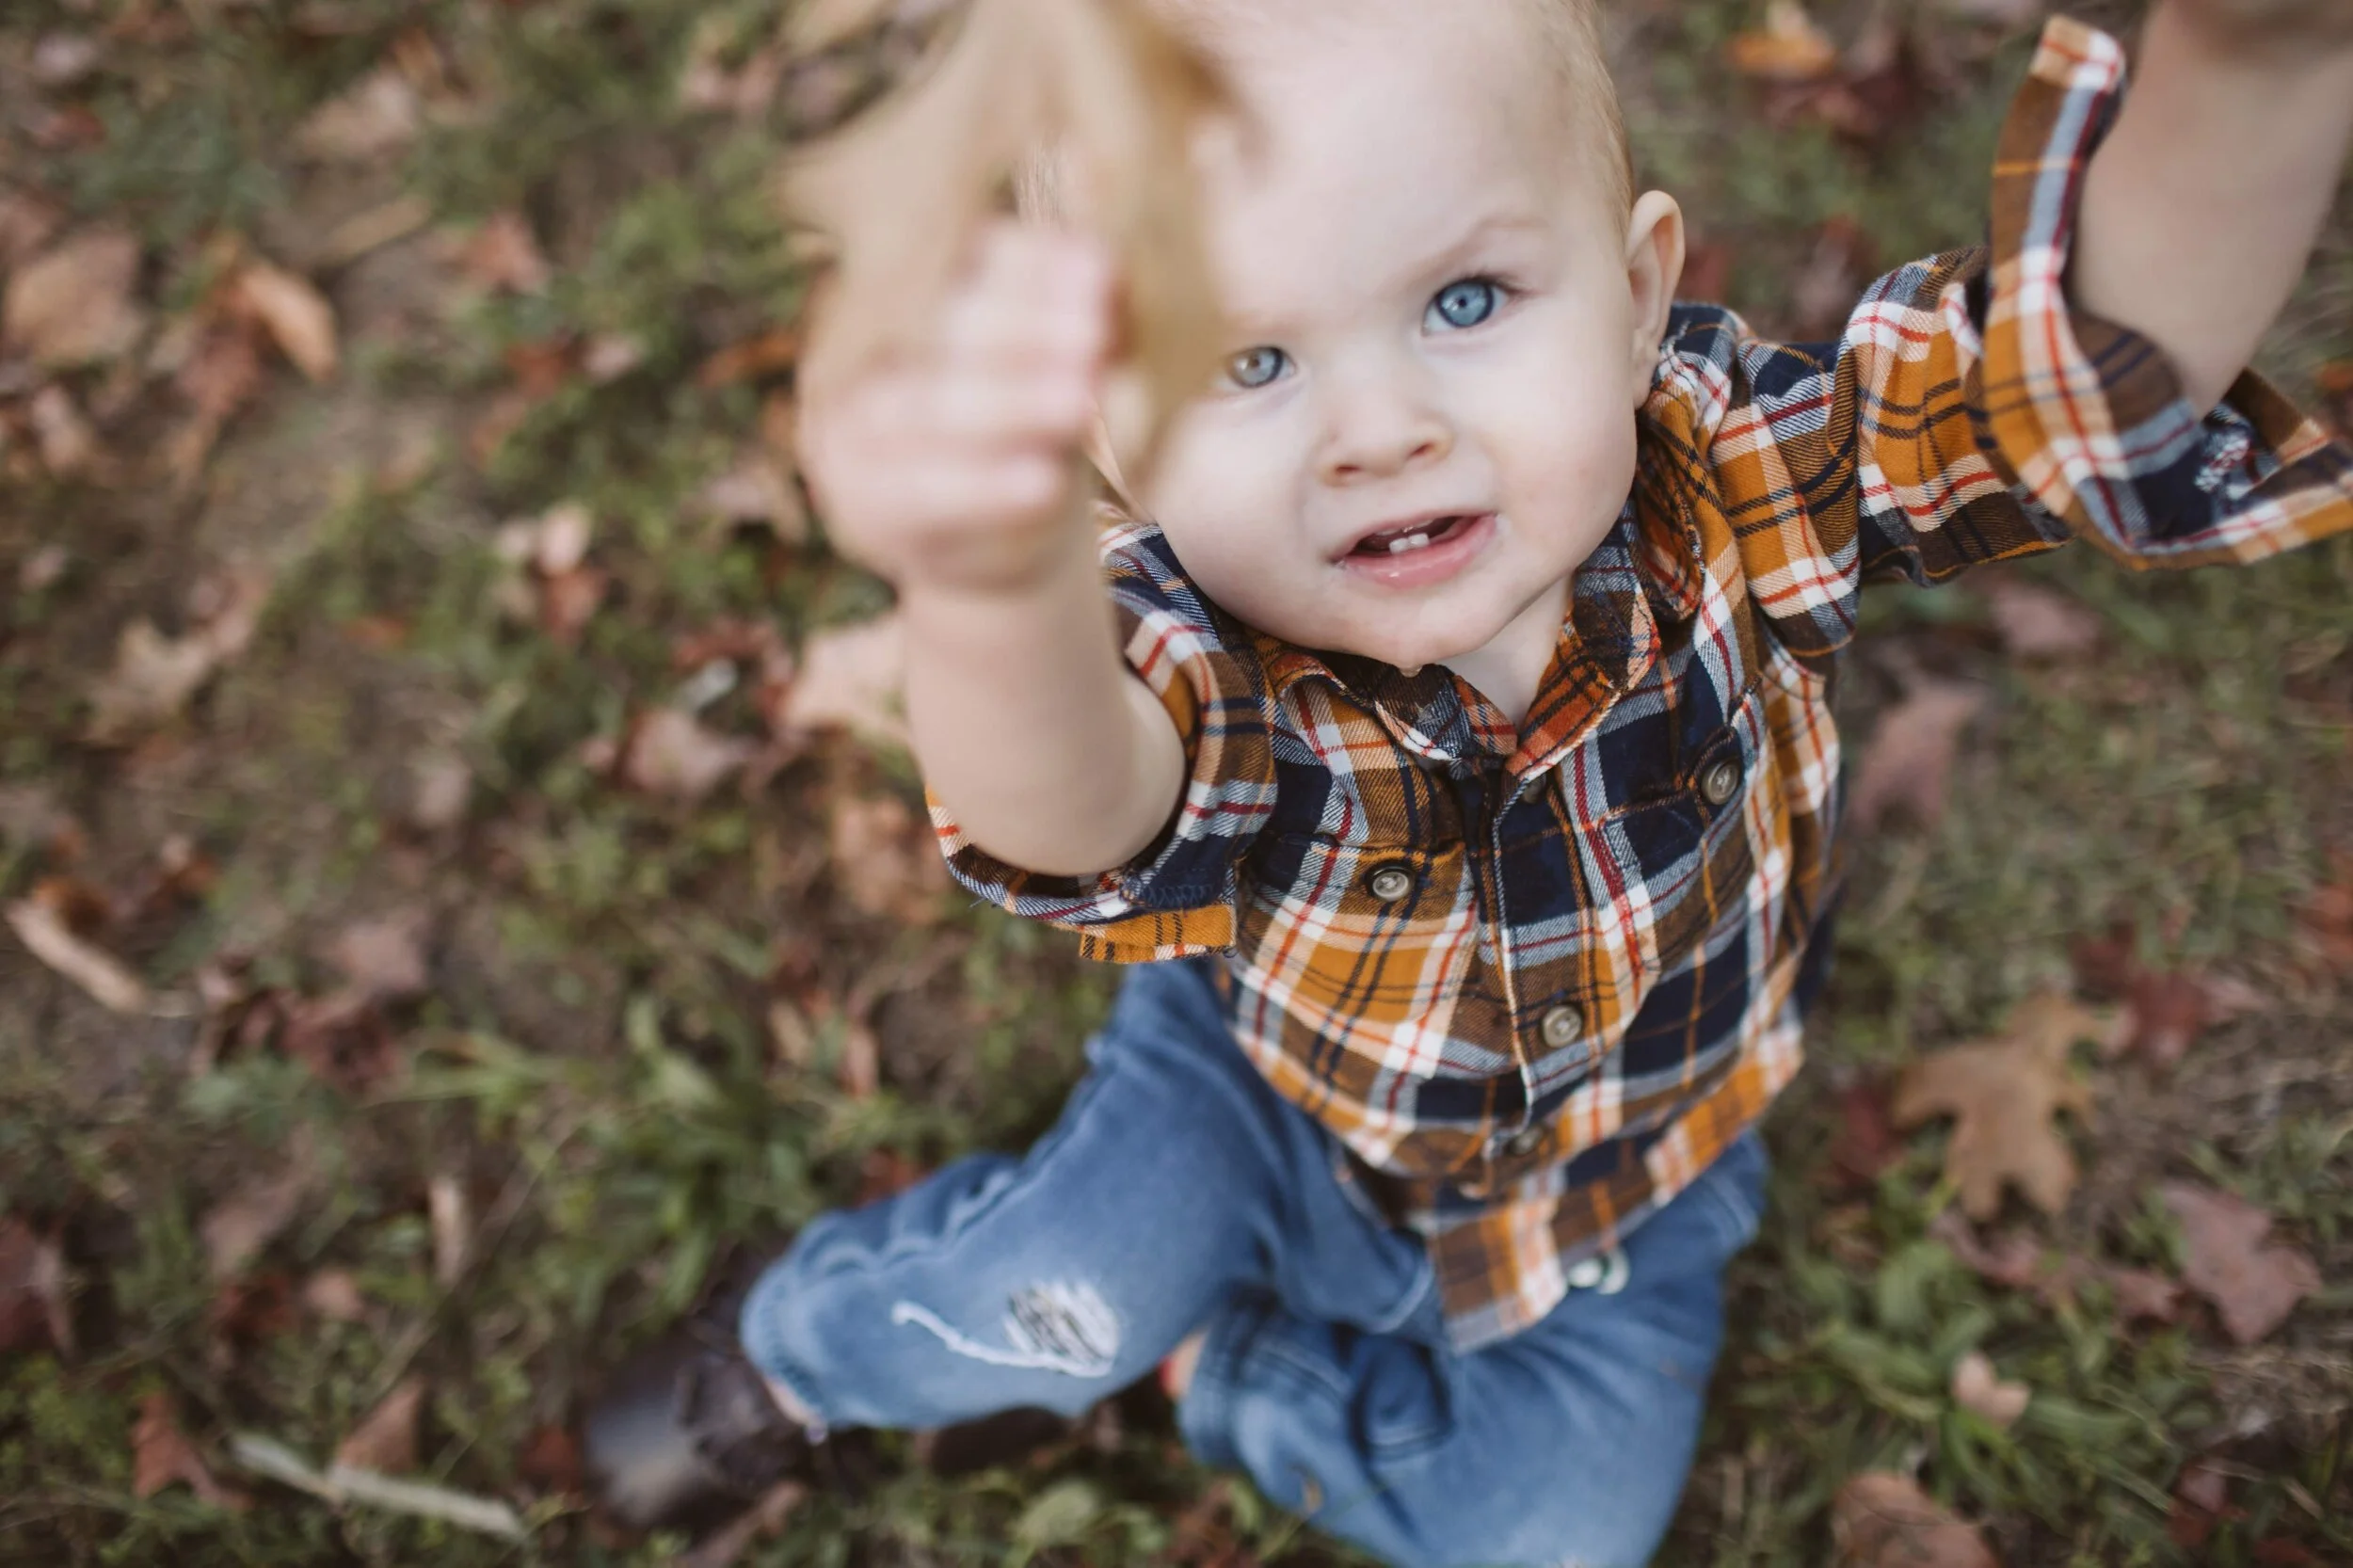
(1412, 536)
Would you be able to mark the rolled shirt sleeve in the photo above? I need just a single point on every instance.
(1967, 414)
(1176, 898)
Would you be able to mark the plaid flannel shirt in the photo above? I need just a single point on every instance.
(1537, 979)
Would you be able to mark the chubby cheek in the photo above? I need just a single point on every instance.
(1226, 500)
(1564, 456)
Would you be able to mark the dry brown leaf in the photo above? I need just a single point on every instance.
(35, 1312)
(2003, 1093)
(1883, 1520)
(383, 958)
(725, 1545)
(334, 1294)
(910, 183)
(758, 489)
(26, 221)
(1911, 759)
(68, 447)
(248, 1219)
(2164, 1014)
(549, 1461)
(377, 115)
(2036, 622)
(674, 755)
(385, 1440)
(849, 678)
(2253, 1285)
(1790, 47)
(294, 315)
(154, 676)
(74, 304)
(161, 1454)
(44, 929)
(885, 858)
(505, 254)
(1977, 1389)
(219, 377)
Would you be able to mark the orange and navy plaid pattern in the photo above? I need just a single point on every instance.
(1537, 979)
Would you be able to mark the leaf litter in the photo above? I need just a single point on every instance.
(2227, 1258)
(1879, 1519)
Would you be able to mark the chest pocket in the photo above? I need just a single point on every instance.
(1367, 940)
(1686, 843)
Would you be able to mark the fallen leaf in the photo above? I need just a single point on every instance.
(1882, 1520)
(1909, 762)
(885, 858)
(65, 59)
(334, 1294)
(1120, 97)
(2003, 1093)
(250, 1217)
(377, 115)
(1790, 47)
(674, 755)
(549, 1461)
(72, 305)
(160, 1455)
(385, 1440)
(27, 222)
(770, 352)
(2144, 1296)
(383, 958)
(68, 447)
(341, 1037)
(1863, 1142)
(294, 315)
(758, 489)
(568, 600)
(610, 355)
(2201, 1499)
(154, 676)
(46, 933)
(2164, 1014)
(440, 786)
(219, 377)
(248, 1310)
(849, 678)
(35, 1313)
(2253, 1287)
(1979, 1389)
(504, 254)
(859, 1070)
(2036, 622)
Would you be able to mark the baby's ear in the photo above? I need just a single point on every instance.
(1653, 266)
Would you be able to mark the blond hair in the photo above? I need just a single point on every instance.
(1568, 33)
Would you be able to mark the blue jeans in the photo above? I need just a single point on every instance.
(1178, 1192)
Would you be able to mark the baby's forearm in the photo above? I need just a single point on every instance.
(2201, 208)
(1030, 726)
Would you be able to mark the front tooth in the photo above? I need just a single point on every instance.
(1412, 541)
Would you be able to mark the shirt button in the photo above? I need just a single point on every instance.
(1721, 782)
(1389, 883)
(1563, 1026)
(1526, 1141)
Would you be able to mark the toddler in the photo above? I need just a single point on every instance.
(1442, 728)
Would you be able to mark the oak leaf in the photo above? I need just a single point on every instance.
(1100, 82)
(294, 315)
(1883, 1520)
(154, 676)
(2253, 1285)
(2036, 622)
(2003, 1093)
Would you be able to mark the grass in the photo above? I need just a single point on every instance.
(592, 1067)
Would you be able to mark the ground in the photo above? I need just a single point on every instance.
(487, 1005)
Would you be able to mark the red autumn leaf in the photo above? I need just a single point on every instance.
(1865, 1143)
(1911, 759)
(2225, 1258)
(162, 1455)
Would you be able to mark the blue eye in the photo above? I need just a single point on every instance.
(1255, 367)
(1464, 303)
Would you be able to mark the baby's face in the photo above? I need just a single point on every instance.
(1428, 420)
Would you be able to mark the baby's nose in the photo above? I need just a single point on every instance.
(1378, 439)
